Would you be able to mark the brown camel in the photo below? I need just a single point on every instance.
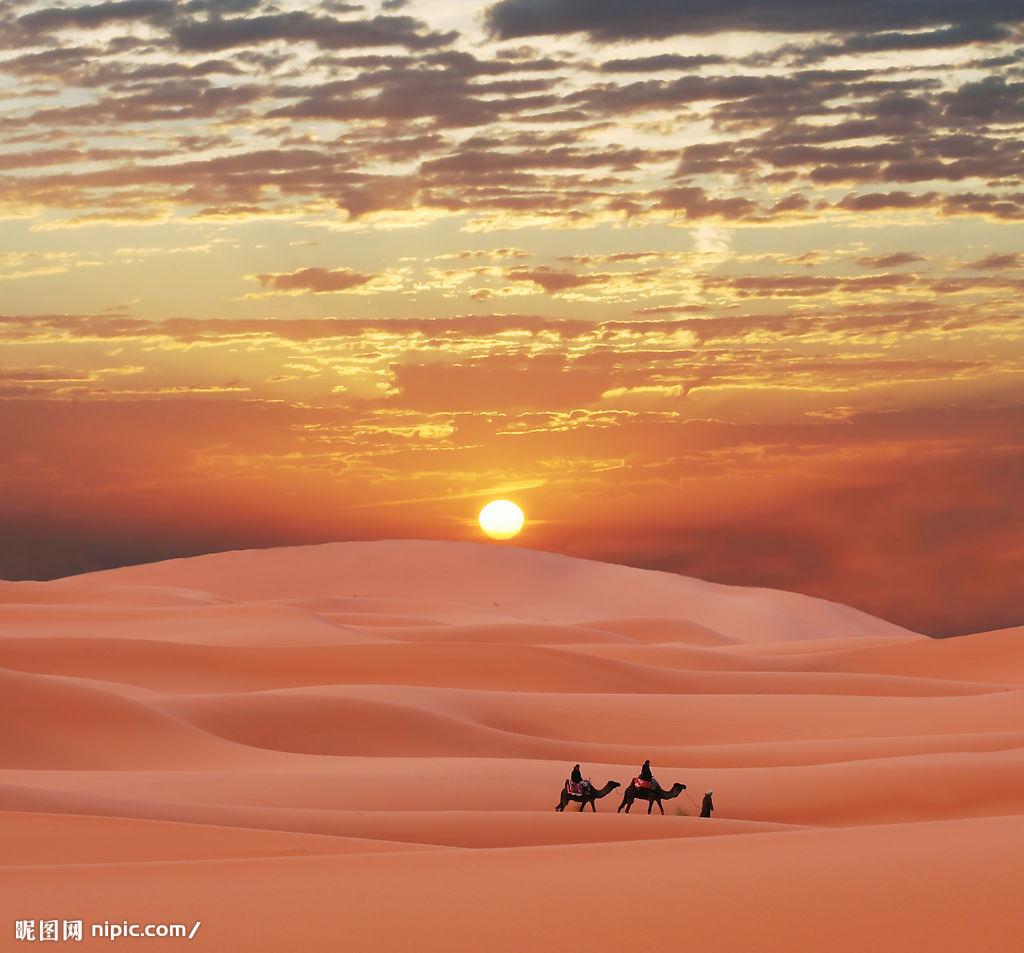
(592, 794)
(653, 796)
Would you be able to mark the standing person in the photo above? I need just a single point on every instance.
(707, 805)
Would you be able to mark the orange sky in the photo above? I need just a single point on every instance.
(732, 292)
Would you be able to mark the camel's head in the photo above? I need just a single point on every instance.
(614, 784)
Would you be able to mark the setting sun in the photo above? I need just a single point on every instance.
(501, 519)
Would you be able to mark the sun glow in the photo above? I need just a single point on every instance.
(501, 519)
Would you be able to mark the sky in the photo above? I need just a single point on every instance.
(727, 289)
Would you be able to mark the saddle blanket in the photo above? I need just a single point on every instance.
(640, 783)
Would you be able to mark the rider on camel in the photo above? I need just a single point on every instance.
(577, 784)
(645, 774)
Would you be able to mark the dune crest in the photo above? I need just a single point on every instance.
(464, 581)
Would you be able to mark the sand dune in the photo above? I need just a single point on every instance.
(450, 579)
(60, 840)
(241, 625)
(363, 744)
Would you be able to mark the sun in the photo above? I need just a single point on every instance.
(501, 519)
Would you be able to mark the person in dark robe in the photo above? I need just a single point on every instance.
(707, 805)
(577, 783)
(646, 776)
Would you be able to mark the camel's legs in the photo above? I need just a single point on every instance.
(650, 805)
(660, 807)
(592, 808)
(583, 804)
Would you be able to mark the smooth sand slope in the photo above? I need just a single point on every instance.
(361, 744)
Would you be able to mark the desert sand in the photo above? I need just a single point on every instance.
(360, 745)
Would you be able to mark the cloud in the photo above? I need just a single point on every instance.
(373, 125)
(497, 384)
(961, 34)
(1008, 207)
(315, 281)
(662, 61)
(808, 286)
(695, 203)
(95, 16)
(610, 21)
(917, 522)
(990, 100)
(453, 88)
(893, 260)
(879, 201)
(997, 261)
(326, 32)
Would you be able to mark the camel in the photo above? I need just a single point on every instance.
(584, 799)
(653, 796)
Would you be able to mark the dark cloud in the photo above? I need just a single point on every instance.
(917, 153)
(608, 98)
(990, 100)
(609, 20)
(50, 63)
(397, 112)
(216, 8)
(96, 15)
(324, 31)
(475, 161)
(1007, 207)
(187, 98)
(961, 34)
(661, 61)
(443, 95)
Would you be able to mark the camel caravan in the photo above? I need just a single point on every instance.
(644, 787)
